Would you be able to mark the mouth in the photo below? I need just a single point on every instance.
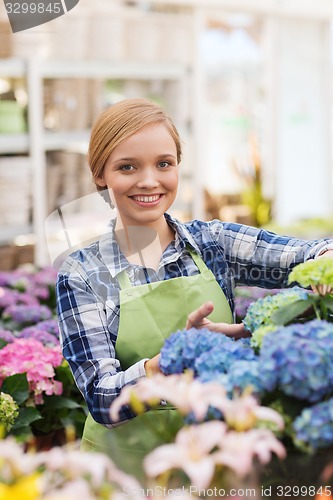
(147, 200)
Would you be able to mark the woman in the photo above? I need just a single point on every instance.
(119, 298)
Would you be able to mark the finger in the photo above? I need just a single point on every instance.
(236, 331)
(196, 317)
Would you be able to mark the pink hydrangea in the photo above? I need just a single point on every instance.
(36, 360)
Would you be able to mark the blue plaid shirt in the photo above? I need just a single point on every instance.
(88, 293)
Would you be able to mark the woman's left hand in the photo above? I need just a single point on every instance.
(197, 319)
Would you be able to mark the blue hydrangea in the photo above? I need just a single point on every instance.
(259, 312)
(298, 359)
(314, 426)
(183, 347)
(202, 351)
(243, 374)
(246, 295)
(221, 359)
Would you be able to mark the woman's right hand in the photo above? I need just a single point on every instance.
(152, 366)
(197, 319)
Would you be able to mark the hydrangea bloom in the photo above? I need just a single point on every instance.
(244, 374)
(314, 426)
(37, 361)
(221, 358)
(246, 295)
(259, 313)
(182, 348)
(50, 326)
(241, 306)
(7, 336)
(313, 272)
(299, 357)
(42, 336)
(46, 332)
(27, 314)
(259, 334)
(201, 351)
(9, 297)
(9, 410)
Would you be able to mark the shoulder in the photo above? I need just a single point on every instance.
(213, 228)
(82, 261)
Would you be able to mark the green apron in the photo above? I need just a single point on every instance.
(149, 313)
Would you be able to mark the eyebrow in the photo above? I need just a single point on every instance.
(166, 155)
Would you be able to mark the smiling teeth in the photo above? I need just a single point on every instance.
(147, 199)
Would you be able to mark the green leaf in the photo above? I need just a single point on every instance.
(3, 343)
(17, 386)
(22, 434)
(328, 301)
(26, 417)
(58, 402)
(291, 311)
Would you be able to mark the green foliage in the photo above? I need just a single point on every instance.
(17, 386)
(313, 273)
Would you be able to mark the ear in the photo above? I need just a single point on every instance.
(101, 182)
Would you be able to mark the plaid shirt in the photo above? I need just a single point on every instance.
(88, 293)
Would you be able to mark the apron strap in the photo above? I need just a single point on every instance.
(125, 282)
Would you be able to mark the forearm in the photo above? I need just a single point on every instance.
(262, 258)
(100, 383)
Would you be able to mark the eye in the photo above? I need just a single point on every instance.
(126, 168)
(164, 164)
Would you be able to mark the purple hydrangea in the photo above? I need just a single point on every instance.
(241, 306)
(49, 325)
(314, 426)
(299, 358)
(7, 336)
(45, 277)
(7, 297)
(18, 279)
(22, 314)
(40, 292)
(42, 336)
(10, 297)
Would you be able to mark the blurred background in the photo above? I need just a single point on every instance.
(247, 82)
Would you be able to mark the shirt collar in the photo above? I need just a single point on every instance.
(116, 261)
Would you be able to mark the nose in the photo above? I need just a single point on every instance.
(148, 178)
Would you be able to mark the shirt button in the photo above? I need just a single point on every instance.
(129, 292)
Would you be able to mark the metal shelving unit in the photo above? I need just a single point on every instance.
(37, 142)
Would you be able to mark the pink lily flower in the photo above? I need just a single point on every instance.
(238, 449)
(243, 413)
(181, 391)
(190, 452)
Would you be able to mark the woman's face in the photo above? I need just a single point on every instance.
(142, 175)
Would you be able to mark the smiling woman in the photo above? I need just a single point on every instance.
(143, 186)
(120, 298)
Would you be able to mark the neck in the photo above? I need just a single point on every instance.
(143, 240)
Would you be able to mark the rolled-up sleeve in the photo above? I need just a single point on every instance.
(257, 257)
(88, 347)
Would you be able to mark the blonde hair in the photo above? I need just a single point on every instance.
(117, 123)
